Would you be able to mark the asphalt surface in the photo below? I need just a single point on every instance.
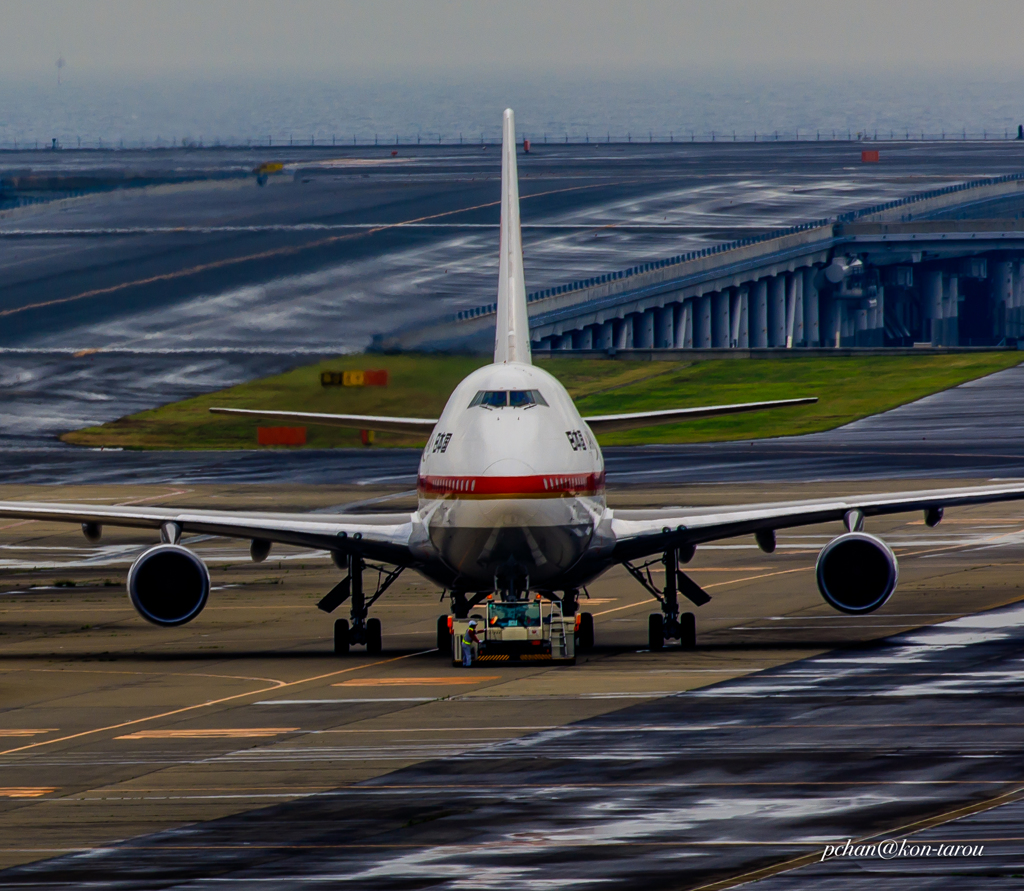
(257, 760)
(238, 750)
(687, 789)
(199, 284)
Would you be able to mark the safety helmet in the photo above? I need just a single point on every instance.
(473, 623)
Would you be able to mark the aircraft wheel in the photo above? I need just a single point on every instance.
(373, 636)
(586, 632)
(341, 637)
(444, 636)
(655, 632)
(688, 631)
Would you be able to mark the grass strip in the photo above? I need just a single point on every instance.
(419, 385)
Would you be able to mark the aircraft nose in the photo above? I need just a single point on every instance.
(509, 467)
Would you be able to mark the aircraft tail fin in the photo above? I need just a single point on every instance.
(512, 334)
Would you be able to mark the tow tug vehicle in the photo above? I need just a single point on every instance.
(534, 630)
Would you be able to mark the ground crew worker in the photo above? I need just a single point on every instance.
(469, 640)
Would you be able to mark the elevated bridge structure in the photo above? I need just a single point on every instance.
(941, 268)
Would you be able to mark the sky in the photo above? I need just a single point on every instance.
(395, 37)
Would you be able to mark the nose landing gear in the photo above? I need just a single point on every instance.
(512, 581)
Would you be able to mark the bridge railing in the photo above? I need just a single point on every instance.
(325, 139)
(848, 217)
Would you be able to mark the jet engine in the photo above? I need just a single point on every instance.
(856, 573)
(168, 585)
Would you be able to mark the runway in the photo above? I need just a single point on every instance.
(237, 750)
(321, 260)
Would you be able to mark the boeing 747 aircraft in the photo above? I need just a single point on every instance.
(511, 503)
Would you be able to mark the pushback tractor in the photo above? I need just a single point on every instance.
(524, 631)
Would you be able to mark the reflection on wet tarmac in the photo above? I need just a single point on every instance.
(249, 270)
(756, 773)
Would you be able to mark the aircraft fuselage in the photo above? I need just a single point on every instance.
(511, 482)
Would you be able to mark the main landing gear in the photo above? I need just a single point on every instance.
(669, 624)
(584, 621)
(461, 604)
(358, 630)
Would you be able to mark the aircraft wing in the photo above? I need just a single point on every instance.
(639, 533)
(418, 426)
(607, 423)
(383, 537)
(597, 423)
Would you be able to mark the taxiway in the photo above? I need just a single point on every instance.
(239, 749)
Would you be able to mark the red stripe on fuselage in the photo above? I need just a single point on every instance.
(543, 485)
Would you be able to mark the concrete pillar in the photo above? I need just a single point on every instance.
(624, 334)
(679, 324)
(664, 327)
(743, 340)
(759, 315)
(563, 341)
(684, 325)
(735, 313)
(605, 338)
(720, 325)
(1017, 271)
(871, 305)
(811, 333)
(643, 330)
(798, 316)
(880, 318)
(836, 327)
(1001, 296)
(861, 333)
(545, 343)
(932, 305)
(1013, 287)
(791, 313)
(951, 311)
(584, 340)
(702, 324)
(777, 311)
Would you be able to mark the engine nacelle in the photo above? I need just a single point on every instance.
(168, 585)
(857, 573)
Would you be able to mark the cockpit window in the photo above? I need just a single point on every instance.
(490, 398)
(513, 398)
(520, 398)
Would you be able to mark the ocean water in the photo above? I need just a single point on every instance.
(345, 107)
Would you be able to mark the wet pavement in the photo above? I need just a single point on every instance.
(633, 770)
(204, 284)
(757, 773)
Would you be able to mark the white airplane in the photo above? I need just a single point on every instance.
(511, 501)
